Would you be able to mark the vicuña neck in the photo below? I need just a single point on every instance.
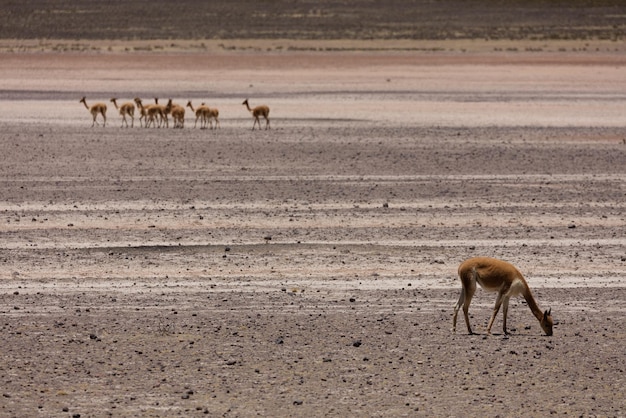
(532, 304)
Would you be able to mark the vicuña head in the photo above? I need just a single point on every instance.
(546, 322)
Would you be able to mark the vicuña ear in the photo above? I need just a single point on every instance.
(547, 312)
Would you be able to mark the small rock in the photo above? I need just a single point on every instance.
(357, 343)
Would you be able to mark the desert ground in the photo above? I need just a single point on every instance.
(310, 269)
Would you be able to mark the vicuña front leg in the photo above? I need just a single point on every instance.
(496, 308)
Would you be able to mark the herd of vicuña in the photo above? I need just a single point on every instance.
(157, 115)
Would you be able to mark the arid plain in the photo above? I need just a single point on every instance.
(310, 269)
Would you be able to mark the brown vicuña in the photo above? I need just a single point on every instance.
(258, 111)
(496, 276)
(127, 108)
(201, 112)
(98, 108)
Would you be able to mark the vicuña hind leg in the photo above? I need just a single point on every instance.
(469, 294)
(456, 309)
(465, 299)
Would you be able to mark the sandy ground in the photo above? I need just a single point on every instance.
(310, 270)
